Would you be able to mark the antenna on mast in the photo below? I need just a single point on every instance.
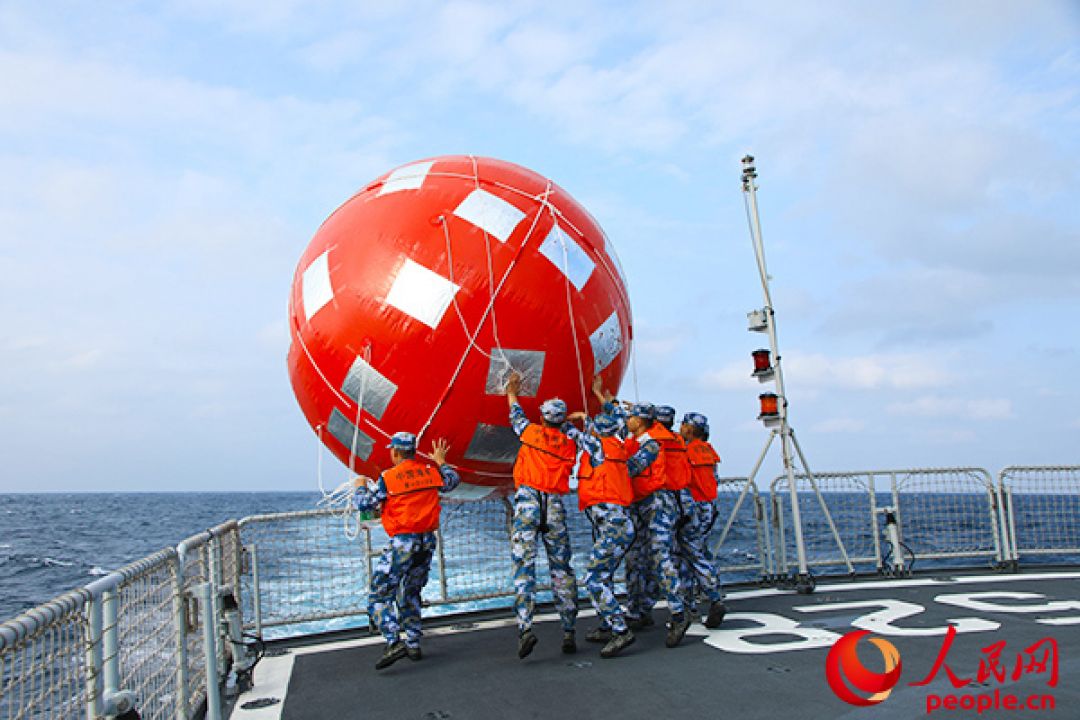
(774, 406)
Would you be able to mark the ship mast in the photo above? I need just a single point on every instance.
(774, 407)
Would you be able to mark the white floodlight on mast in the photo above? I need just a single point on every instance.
(774, 407)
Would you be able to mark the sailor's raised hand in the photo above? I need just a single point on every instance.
(439, 449)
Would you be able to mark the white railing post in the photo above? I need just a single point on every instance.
(256, 595)
(110, 646)
(206, 594)
(180, 617)
(213, 576)
(1005, 512)
(442, 565)
(93, 657)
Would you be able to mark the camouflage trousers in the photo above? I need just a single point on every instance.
(613, 532)
(697, 568)
(399, 575)
(650, 563)
(541, 515)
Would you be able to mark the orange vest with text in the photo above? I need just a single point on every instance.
(651, 478)
(412, 498)
(703, 460)
(676, 466)
(545, 460)
(609, 483)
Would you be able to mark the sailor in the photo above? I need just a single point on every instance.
(650, 564)
(698, 566)
(409, 495)
(542, 476)
(676, 485)
(605, 494)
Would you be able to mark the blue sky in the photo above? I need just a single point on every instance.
(163, 166)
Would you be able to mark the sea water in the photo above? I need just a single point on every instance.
(51, 542)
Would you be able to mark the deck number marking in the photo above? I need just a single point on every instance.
(880, 621)
(737, 640)
(983, 602)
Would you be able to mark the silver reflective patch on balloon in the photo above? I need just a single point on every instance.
(409, 177)
(315, 286)
(606, 342)
(345, 432)
(490, 213)
(529, 363)
(368, 387)
(421, 293)
(565, 254)
(493, 443)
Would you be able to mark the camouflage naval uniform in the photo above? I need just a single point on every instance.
(650, 563)
(614, 529)
(533, 510)
(401, 571)
(697, 567)
(614, 533)
(651, 570)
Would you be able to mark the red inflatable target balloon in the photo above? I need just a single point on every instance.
(417, 298)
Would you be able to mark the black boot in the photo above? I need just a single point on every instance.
(677, 629)
(526, 643)
(414, 652)
(599, 635)
(392, 653)
(717, 610)
(569, 646)
(618, 643)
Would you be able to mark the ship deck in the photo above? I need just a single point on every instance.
(767, 660)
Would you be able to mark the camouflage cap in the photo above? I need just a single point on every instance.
(553, 410)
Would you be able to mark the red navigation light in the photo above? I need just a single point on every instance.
(762, 362)
(769, 406)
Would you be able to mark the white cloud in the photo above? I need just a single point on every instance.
(814, 372)
(841, 425)
(901, 371)
(732, 376)
(953, 407)
(658, 343)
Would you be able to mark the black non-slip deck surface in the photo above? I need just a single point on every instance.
(476, 675)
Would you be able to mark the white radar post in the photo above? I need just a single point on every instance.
(774, 407)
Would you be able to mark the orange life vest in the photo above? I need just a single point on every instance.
(676, 466)
(651, 478)
(703, 460)
(545, 460)
(609, 483)
(412, 498)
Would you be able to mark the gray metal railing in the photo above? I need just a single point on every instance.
(840, 525)
(45, 669)
(1040, 507)
(941, 514)
(948, 513)
(127, 639)
(739, 507)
